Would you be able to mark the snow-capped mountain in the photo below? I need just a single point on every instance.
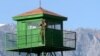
(7, 28)
(2, 25)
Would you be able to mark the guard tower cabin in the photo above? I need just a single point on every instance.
(29, 37)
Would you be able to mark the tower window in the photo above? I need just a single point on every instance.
(33, 24)
(53, 25)
(58, 26)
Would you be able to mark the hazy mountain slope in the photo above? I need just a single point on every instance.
(8, 28)
(88, 43)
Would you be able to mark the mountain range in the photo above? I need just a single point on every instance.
(87, 43)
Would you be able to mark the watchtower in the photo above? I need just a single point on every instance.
(40, 31)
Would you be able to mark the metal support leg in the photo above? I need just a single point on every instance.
(38, 54)
(62, 53)
(28, 54)
(54, 54)
(51, 54)
(19, 53)
(44, 53)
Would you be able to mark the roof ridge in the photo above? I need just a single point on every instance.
(39, 11)
(49, 12)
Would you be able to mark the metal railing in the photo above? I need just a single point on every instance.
(69, 39)
(13, 41)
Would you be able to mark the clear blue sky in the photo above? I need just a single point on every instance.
(80, 13)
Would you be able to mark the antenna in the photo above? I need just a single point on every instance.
(40, 3)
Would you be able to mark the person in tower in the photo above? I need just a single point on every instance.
(42, 32)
